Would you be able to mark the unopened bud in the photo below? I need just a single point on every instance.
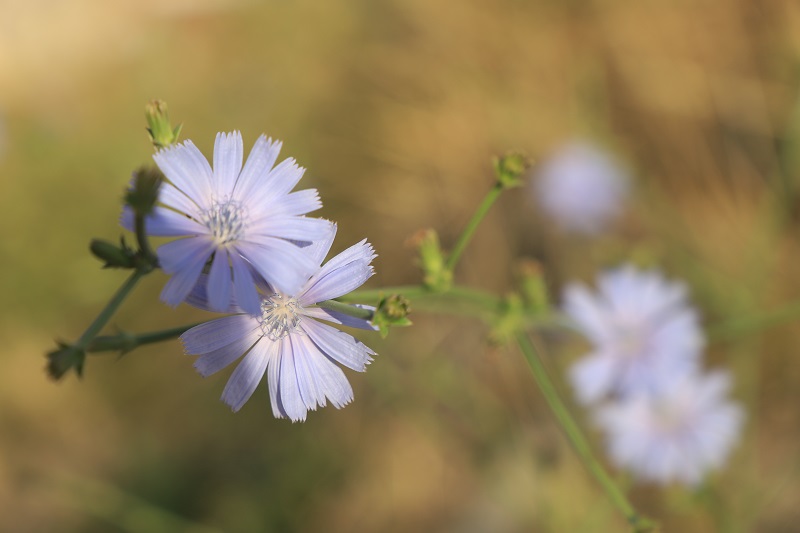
(533, 286)
(143, 194)
(64, 359)
(435, 274)
(509, 168)
(392, 311)
(114, 256)
(162, 134)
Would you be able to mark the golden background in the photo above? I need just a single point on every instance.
(395, 108)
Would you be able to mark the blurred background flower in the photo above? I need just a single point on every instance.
(395, 108)
(581, 188)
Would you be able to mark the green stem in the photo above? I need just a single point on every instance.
(104, 316)
(576, 437)
(742, 326)
(125, 342)
(347, 309)
(472, 225)
(414, 292)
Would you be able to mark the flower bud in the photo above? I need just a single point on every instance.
(162, 134)
(392, 311)
(114, 256)
(435, 274)
(143, 194)
(533, 286)
(509, 168)
(65, 358)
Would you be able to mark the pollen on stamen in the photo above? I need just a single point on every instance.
(279, 316)
(226, 220)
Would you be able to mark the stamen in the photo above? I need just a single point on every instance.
(226, 220)
(279, 316)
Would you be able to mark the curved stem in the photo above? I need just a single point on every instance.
(576, 437)
(472, 225)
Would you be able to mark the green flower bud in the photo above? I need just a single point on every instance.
(509, 168)
(64, 359)
(509, 321)
(435, 274)
(114, 256)
(392, 311)
(142, 197)
(533, 286)
(162, 134)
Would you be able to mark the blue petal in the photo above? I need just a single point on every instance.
(257, 167)
(338, 345)
(296, 203)
(218, 333)
(185, 269)
(177, 200)
(289, 388)
(278, 183)
(311, 390)
(291, 228)
(186, 167)
(247, 376)
(163, 222)
(282, 264)
(273, 378)
(219, 282)
(244, 288)
(227, 162)
(328, 378)
(341, 275)
(319, 249)
(214, 361)
(198, 297)
(184, 253)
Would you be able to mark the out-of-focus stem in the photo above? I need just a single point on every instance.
(579, 442)
(472, 225)
(742, 326)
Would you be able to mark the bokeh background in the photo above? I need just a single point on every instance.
(395, 107)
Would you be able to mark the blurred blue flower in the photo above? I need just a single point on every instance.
(644, 333)
(246, 217)
(581, 187)
(677, 435)
(287, 341)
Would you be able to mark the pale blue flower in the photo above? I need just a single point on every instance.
(581, 187)
(245, 217)
(642, 330)
(287, 340)
(677, 435)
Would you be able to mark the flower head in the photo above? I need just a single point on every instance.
(676, 435)
(644, 333)
(287, 340)
(245, 217)
(581, 188)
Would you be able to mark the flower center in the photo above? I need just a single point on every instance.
(279, 316)
(226, 220)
